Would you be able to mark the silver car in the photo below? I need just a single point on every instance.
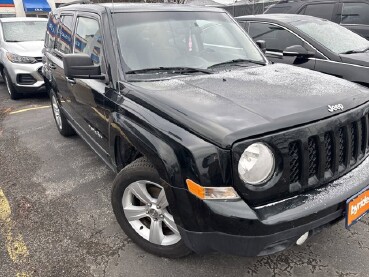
(21, 44)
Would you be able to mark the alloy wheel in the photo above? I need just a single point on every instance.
(146, 208)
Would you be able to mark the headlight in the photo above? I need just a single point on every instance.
(14, 58)
(256, 164)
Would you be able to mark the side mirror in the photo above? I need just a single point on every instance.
(297, 51)
(81, 66)
(262, 45)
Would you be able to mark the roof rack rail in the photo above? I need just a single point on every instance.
(76, 2)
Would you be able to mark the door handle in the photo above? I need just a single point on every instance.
(70, 81)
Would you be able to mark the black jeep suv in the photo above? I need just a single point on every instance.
(214, 147)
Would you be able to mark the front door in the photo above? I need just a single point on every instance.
(62, 46)
(277, 40)
(89, 94)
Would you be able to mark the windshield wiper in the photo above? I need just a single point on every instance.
(13, 41)
(180, 70)
(356, 51)
(235, 61)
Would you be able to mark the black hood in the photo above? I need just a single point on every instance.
(228, 106)
(357, 58)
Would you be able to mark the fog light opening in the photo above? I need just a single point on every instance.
(302, 239)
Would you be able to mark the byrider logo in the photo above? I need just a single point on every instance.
(356, 208)
(335, 108)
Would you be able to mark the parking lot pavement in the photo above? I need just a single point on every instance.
(56, 218)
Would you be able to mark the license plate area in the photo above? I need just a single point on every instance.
(357, 207)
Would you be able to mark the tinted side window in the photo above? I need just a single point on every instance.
(319, 10)
(88, 38)
(64, 36)
(277, 39)
(52, 27)
(355, 13)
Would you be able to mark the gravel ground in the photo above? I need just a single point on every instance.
(59, 195)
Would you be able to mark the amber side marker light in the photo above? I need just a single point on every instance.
(212, 193)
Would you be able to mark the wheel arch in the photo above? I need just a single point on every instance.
(135, 141)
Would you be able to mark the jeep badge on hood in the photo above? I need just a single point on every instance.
(335, 108)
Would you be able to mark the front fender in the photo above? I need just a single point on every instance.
(158, 152)
(176, 153)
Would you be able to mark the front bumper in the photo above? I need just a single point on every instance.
(236, 228)
(15, 70)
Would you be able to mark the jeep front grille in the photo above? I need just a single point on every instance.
(328, 154)
(309, 156)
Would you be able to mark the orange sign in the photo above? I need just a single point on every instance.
(357, 207)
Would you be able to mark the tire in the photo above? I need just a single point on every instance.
(14, 95)
(150, 226)
(62, 124)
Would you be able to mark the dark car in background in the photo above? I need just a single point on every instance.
(312, 43)
(353, 14)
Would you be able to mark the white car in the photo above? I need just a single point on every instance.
(21, 44)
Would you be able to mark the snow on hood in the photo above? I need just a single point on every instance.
(238, 103)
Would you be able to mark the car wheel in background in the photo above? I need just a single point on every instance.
(62, 124)
(142, 210)
(10, 86)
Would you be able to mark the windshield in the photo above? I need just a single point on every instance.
(24, 31)
(181, 39)
(334, 37)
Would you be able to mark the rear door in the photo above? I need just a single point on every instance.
(88, 94)
(277, 39)
(355, 16)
